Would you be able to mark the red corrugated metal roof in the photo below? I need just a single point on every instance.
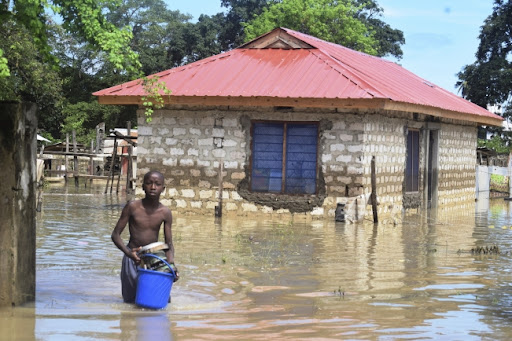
(325, 71)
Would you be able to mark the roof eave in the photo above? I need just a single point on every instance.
(338, 103)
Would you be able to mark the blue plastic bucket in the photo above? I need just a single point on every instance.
(154, 287)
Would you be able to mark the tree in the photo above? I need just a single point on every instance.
(351, 23)
(488, 81)
(155, 30)
(195, 41)
(240, 12)
(84, 116)
(30, 78)
(84, 18)
(388, 39)
(36, 59)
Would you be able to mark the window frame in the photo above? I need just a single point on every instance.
(412, 179)
(285, 125)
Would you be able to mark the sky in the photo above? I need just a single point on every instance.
(441, 36)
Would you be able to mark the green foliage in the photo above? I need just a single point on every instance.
(348, 23)
(240, 12)
(30, 78)
(84, 18)
(37, 57)
(387, 41)
(100, 43)
(496, 143)
(155, 31)
(84, 116)
(153, 99)
(82, 68)
(48, 136)
(488, 81)
(4, 68)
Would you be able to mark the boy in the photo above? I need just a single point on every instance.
(144, 218)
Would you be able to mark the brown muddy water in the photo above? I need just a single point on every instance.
(256, 279)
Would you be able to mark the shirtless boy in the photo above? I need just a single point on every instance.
(144, 218)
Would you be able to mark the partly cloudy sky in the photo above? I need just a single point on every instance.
(441, 35)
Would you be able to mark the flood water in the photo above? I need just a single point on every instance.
(253, 279)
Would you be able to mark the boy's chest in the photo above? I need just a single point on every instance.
(144, 219)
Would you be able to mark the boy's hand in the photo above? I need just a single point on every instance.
(135, 255)
(175, 272)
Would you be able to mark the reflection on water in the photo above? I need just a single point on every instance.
(257, 279)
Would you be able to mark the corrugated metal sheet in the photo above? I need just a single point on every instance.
(253, 72)
(392, 81)
(327, 71)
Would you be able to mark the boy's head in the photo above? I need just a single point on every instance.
(153, 172)
(153, 184)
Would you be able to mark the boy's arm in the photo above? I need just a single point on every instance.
(118, 229)
(168, 240)
(168, 235)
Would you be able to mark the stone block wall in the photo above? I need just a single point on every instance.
(385, 140)
(188, 146)
(457, 164)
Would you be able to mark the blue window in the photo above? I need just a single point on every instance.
(412, 167)
(284, 157)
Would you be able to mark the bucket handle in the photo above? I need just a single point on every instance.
(163, 260)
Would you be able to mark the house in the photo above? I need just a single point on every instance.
(294, 122)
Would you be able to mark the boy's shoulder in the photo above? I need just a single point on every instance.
(134, 203)
(164, 207)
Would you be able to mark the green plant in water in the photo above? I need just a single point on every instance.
(154, 90)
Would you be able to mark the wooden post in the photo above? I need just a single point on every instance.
(66, 159)
(120, 170)
(112, 166)
(111, 172)
(129, 170)
(100, 130)
(75, 159)
(356, 210)
(218, 209)
(373, 196)
(91, 163)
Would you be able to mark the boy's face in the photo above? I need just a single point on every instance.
(153, 185)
